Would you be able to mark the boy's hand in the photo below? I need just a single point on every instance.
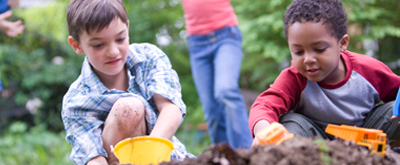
(169, 119)
(255, 142)
(395, 117)
(11, 29)
(99, 160)
(260, 125)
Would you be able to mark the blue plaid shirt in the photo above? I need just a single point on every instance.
(88, 102)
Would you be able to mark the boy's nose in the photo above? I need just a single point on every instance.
(309, 58)
(112, 52)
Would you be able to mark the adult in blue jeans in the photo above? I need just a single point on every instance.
(214, 44)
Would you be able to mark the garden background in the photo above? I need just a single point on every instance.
(38, 66)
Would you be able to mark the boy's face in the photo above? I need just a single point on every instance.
(106, 50)
(316, 53)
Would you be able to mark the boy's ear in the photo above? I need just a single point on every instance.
(344, 42)
(75, 45)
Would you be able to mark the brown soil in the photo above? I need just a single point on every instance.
(295, 151)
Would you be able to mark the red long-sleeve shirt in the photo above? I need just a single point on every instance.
(367, 82)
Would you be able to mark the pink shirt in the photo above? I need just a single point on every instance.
(205, 16)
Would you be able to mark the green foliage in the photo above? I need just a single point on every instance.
(34, 74)
(194, 140)
(264, 44)
(324, 151)
(37, 146)
(29, 62)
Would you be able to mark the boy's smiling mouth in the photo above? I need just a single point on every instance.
(113, 62)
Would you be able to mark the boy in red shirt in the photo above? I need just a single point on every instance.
(326, 84)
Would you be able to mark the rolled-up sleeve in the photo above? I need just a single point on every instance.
(83, 129)
(160, 78)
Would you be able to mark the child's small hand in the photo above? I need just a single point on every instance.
(262, 124)
(394, 117)
(11, 29)
(98, 160)
(255, 143)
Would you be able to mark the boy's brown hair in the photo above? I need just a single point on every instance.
(93, 15)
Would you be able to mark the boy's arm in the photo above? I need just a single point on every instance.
(98, 160)
(169, 119)
(83, 128)
(268, 107)
(84, 135)
(281, 97)
(260, 125)
(162, 86)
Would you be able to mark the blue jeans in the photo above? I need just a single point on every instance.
(1, 87)
(215, 61)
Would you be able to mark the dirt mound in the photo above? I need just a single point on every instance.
(295, 151)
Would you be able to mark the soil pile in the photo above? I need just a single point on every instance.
(294, 151)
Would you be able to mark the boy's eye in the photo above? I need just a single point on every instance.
(121, 39)
(320, 50)
(298, 52)
(97, 45)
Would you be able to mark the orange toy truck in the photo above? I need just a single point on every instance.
(373, 139)
(274, 134)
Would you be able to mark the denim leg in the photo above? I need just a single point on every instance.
(1, 87)
(227, 64)
(201, 60)
(215, 61)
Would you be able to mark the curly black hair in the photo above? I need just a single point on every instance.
(331, 12)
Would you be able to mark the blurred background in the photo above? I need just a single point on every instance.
(37, 66)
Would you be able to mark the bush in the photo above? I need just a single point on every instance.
(37, 146)
(39, 64)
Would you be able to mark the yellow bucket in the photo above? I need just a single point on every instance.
(143, 150)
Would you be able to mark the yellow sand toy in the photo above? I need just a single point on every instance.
(276, 133)
(143, 150)
(373, 139)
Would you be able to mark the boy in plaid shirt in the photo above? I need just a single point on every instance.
(123, 90)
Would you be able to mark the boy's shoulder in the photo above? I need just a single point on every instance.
(358, 56)
(146, 54)
(86, 82)
(78, 87)
(145, 50)
(363, 63)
